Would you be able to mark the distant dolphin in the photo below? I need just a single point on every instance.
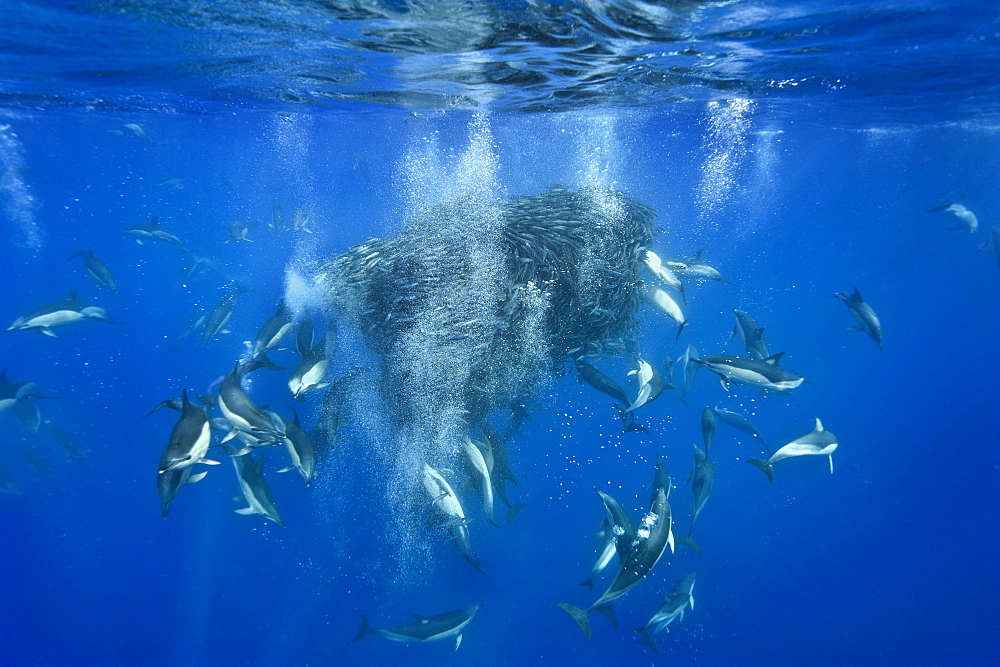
(968, 218)
(97, 269)
(751, 333)
(665, 304)
(452, 516)
(257, 493)
(672, 609)
(688, 370)
(863, 313)
(273, 330)
(68, 311)
(763, 373)
(701, 480)
(434, 628)
(153, 231)
(818, 443)
(740, 423)
(217, 319)
(238, 232)
(707, 428)
(694, 267)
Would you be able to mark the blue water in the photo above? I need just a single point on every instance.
(793, 192)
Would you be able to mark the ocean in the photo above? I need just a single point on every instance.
(515, 161)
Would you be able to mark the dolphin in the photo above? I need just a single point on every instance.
(301, 220)
(309, 373)
(867, 319)
(655, 266)
(217, 319)
(688, 370)
(189, 439)
(600, 381)
(701, 479)
(763, 373)
(672, 609)
(651, 384)
(300, 446)
(97, 269)
(153, 231)
(238, 231)
(170, 482)
(818, 443)
(693, 267)
(621, 525)
(239, 409)
(740, 423)
(277, 217)
(11, 391)
(434, 628)
(68, 311)
(500, 472)
(664, 303)
(707, 427)
(608, 542)
(652, 537)
(451, 513)
(478, 472)
(751, 333)
(966, 217)
(273, 330)
(255, 490)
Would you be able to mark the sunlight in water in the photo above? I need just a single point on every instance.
(727, 123)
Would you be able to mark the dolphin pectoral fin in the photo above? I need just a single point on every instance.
(246, 511)
(196, 478)
(229, 436)
(512, 512)
(287, 468)
(361, 632)
(766, 467)
(831, 463)
(458, 640)
(724, 382)
(209, 462)
(580, 616)
(670, 541)
(47, 332)
(609, 613)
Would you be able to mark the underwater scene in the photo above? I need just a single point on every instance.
(484, 333)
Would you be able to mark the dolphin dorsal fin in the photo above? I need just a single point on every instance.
(819, 424)
(857, 294)
(697, 255)
(773, 359)
(420, 619)
(72, 295)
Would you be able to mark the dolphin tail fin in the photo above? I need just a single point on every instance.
(766, 467)
(512, 512)
(680, 328)
(647, 639)
(689, 541)
(362, 632)
(580, 616)
(608, 613)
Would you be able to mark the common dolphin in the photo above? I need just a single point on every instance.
(452, 516)
(256, 492)
(600, 381)
(621, 525)
(863, 313)
(665, 304)
(236, 406)
(238, 231)
(68, 311)
(740, 423)
(818, 443)
(433, 628)
(300, 446)
(652, 537)
(751, 333)
(694, 267)
(97, 269)
(966, 217)
(763, 373)
(500, 472)
(707, 428)
(153, 231)
(651, 384)
(478, 472)
(273, 330)
(672, 609)
(655, 266)
(701, 479)
(688, 370)
(189, 439)
(217, 319)
(170, 482)
(12, 391)
(315, 360)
